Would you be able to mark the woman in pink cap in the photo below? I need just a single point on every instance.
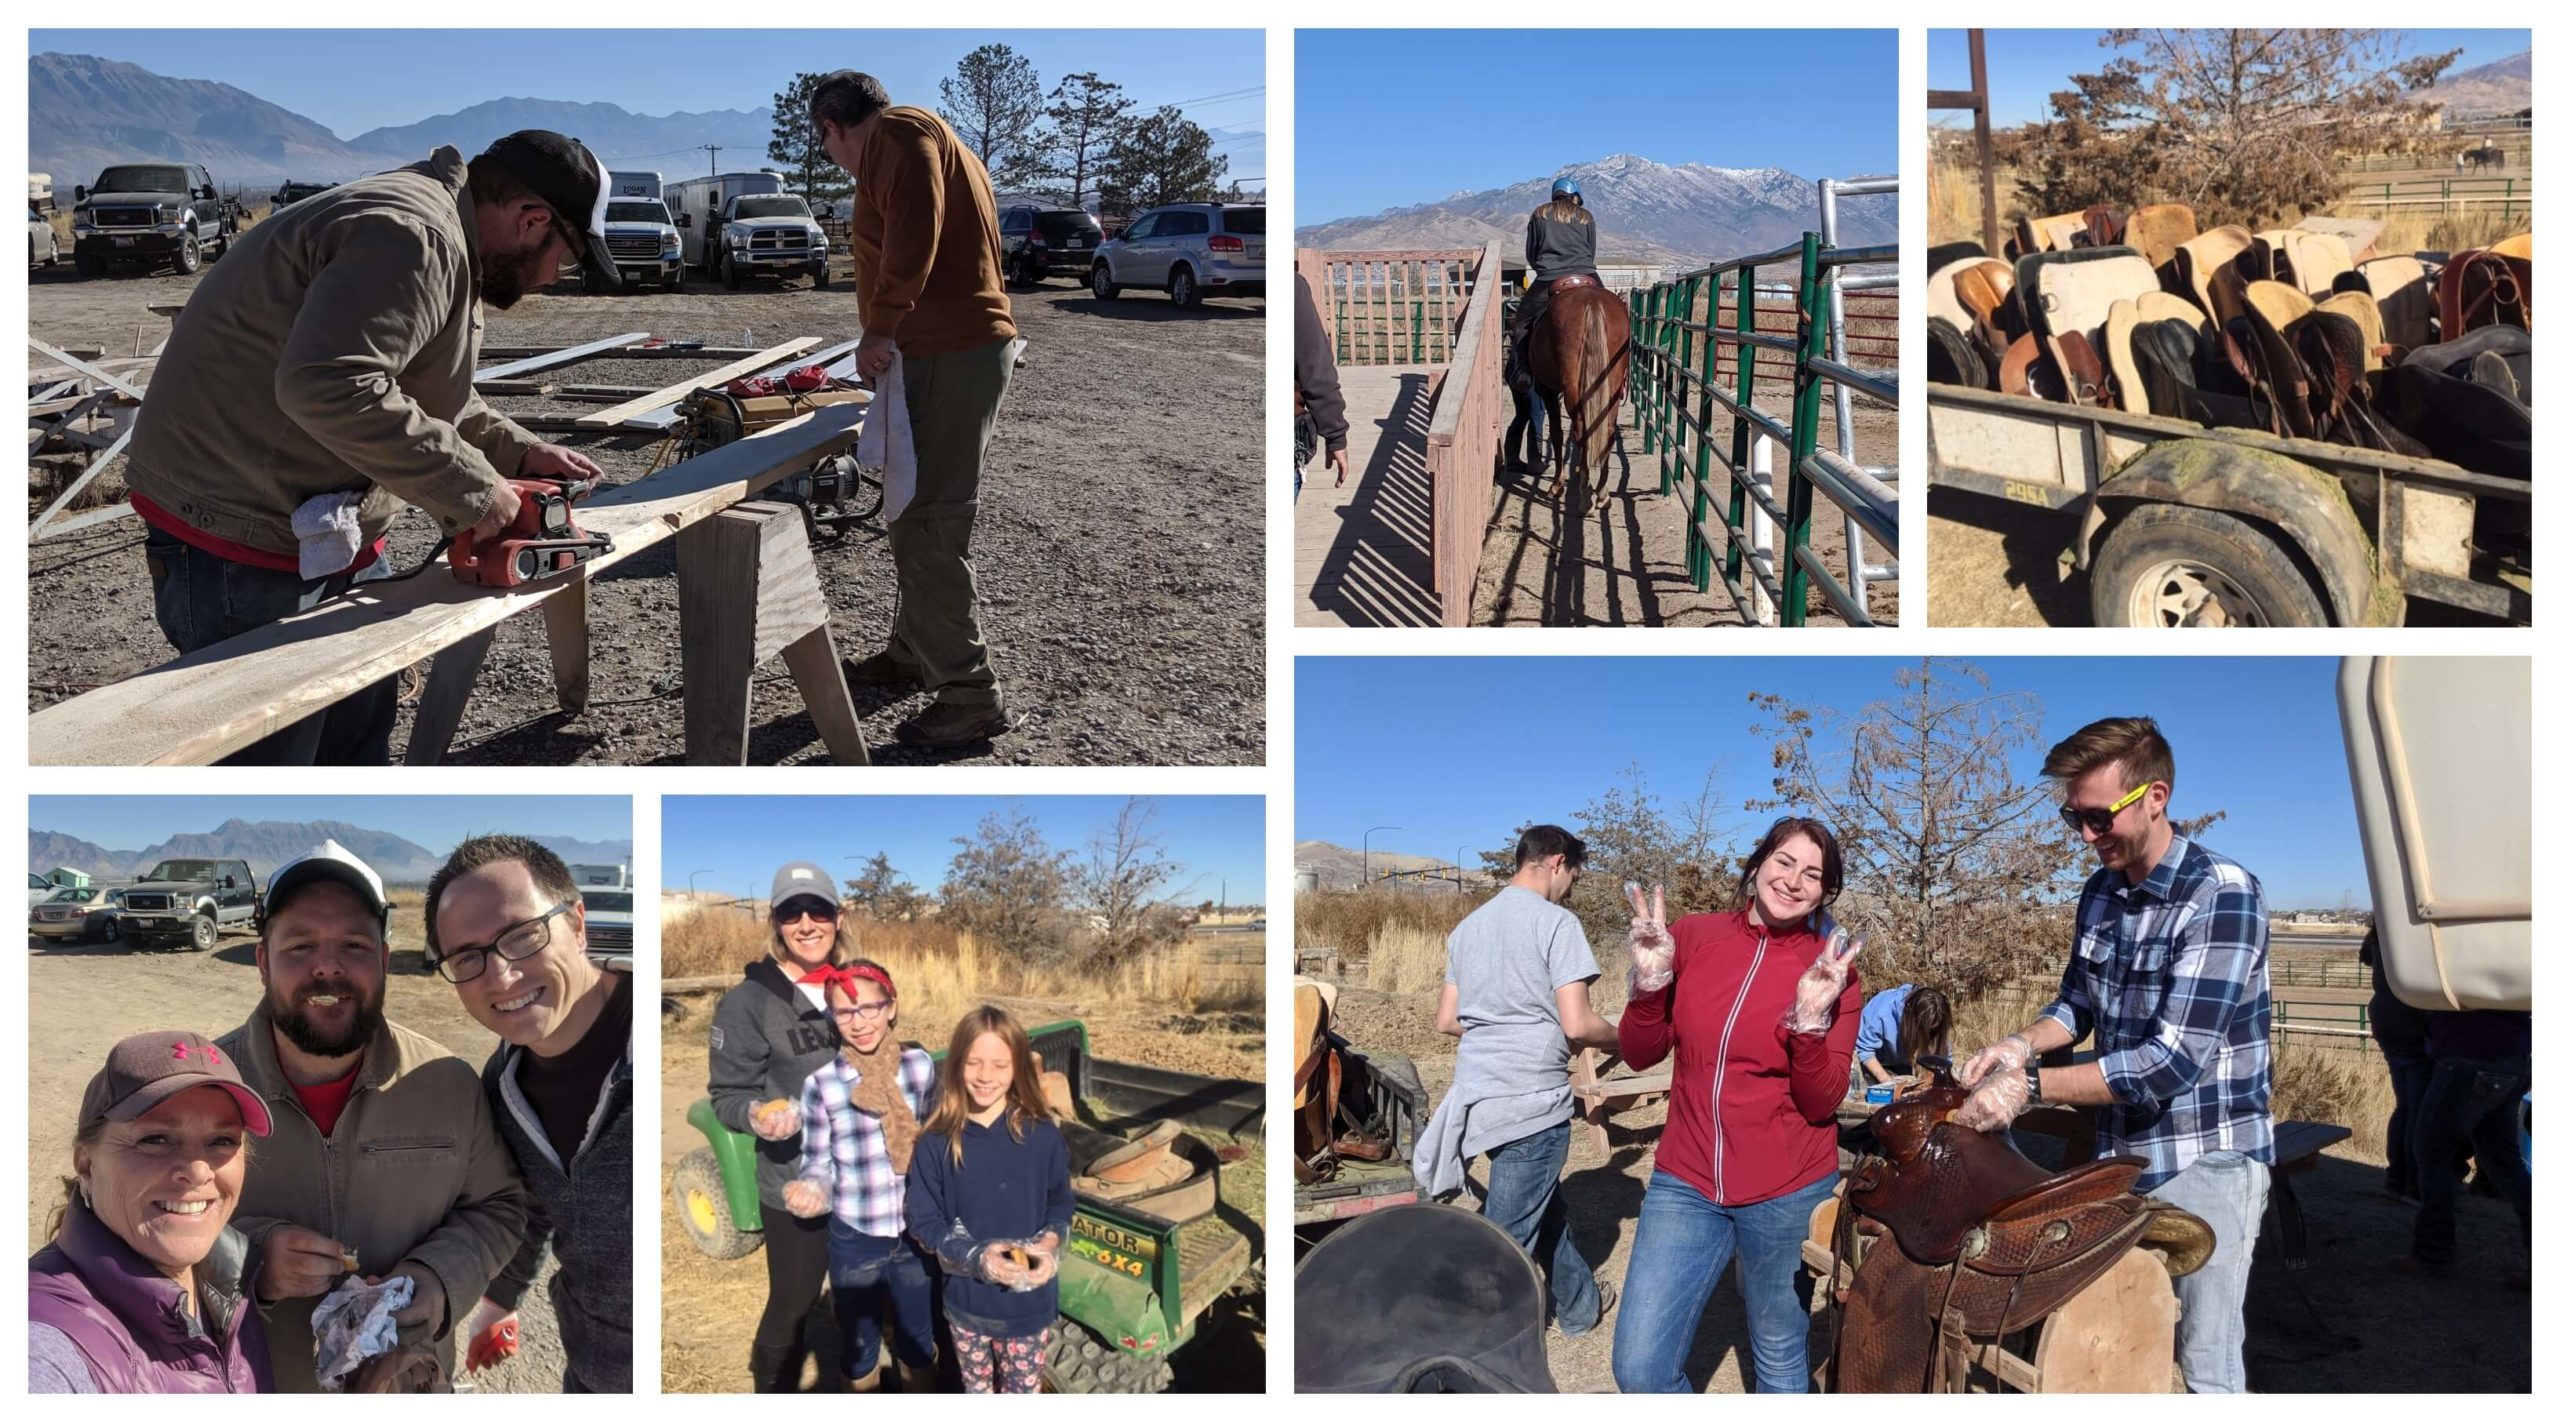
(146, 1287)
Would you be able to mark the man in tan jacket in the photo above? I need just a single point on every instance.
(320, 380)
(927, 272)
(384, 1159)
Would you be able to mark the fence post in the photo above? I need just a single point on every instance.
(1699, 500)
(1804, 431)
(1746, 284)
(1644, 385)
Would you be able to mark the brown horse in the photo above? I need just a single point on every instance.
(1577, 359)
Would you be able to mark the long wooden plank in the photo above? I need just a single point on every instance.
(613, 415)
(552, 360)
(97, 466)
(90, 519)
(207, 704)
(72, 362)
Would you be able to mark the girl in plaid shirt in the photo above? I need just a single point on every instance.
(858, 1115)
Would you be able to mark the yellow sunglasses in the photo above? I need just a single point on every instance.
(2100, 821)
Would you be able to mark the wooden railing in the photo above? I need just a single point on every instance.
(1466, 437)
(1399, 307)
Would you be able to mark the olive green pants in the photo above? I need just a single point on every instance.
(951, 403)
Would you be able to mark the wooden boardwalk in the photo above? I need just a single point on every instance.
(1363, 551)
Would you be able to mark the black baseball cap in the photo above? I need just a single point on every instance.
(565, 175)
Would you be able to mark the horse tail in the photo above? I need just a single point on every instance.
(1590, 403)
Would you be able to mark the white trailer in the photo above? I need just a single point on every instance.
(600, 876)
(632, 183)
(697, 204)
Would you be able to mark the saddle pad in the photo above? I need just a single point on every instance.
(2073, 291)
(2520, 245)
(2056, 234)
(2399, 288)
(2210, 252)
(2122, 318)
(2312, 261)
(1943, 303)
(2157, 231)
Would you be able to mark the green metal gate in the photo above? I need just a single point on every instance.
(1678, 358)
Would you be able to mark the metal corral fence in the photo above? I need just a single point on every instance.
(1431, 308)
(1678, 350)
(2508, 197)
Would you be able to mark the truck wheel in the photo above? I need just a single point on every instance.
(2167, 565)
(729, 273)
(1104, 288)
(702, 1202)
(1184, 289)
(676, 282)
(202, 934)
(190, 256)
(90, 266)
(1080, 1362)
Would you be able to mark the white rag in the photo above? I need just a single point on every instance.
(355, 1324)
(888, 441)
(328, 532)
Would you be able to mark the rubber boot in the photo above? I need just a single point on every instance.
(769, 1366)
(920, 1377)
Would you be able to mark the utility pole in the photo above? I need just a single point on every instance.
(715, 158)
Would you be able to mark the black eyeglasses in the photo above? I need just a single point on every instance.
(863, 1010)
(818, 909)
(515, 943)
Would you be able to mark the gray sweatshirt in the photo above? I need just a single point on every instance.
(766, 1037)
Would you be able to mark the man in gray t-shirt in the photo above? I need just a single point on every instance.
(1518, 999)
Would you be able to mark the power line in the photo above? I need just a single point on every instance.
(1216, 98)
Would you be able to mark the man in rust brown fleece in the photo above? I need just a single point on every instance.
(927, 271)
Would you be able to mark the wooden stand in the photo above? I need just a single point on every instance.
(747, 589)
(2120, 1334)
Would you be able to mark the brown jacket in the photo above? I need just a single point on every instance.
(331, 350)
(927, 263)
(415, 1170)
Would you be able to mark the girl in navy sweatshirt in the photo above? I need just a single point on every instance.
(988, 1194)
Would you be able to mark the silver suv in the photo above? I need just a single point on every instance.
(1188, 250)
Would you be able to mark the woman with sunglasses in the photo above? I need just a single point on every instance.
(858, 1116)
(767, 1035)
(1757, 1008)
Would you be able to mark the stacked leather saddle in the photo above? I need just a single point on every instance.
(2282, 331)
(1947, 1238)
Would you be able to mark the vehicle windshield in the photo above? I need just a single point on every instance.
(773, 205)
(606, 900)
(637, 212)
(141, 178)
(1057, 224)
(180, 870)
(69, 896)
(1246, 221)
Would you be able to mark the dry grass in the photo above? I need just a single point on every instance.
(1955, 200)
(935, 962)
(1406, 959)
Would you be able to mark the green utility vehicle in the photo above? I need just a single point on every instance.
(1140, 1272)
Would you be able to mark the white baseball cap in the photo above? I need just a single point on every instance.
(326, 860)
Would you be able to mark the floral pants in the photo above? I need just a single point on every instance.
(998, 1364)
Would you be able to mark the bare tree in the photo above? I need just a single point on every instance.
(2244, 126)
(1954, 860)
(882, 892)
(1122, 879)
(1630, 835)
(994, 105)
(1007, 886)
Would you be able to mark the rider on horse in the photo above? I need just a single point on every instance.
(1563, 242)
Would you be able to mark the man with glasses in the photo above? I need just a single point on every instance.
(320, 379)
(505, 926)
(2169, 972)
(383, 1160)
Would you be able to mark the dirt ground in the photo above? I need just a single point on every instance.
(84, 998)
(1119, 542)
(1625, 562)
(710, 1307)
(2344, 1324)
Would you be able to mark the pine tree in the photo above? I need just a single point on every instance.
(1158, 159)
(994, 105)
(795, 150)
(1086, 113)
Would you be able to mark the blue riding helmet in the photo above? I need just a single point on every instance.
(1564, 188)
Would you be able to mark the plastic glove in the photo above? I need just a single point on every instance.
(1649, 947)
(1996, 1100)
(495, 1335)
(775, 1120)
(1044, 1259)
(1006, 1264)
(805, 1199)
(1825, 978)
(2010, 1052)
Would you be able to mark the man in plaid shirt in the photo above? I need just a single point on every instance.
(2169, 971)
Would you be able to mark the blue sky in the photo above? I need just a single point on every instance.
(741, 839)
(438, 822)
(2028, 66)
(354, 80)
(1387, 118)
(1460, 750)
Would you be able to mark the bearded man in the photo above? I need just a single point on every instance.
(384, 1159)
(319, 379)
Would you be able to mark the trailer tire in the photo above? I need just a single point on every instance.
(1080, 1362)
(702, 1205)
(2170, 565)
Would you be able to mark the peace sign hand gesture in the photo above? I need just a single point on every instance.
(1825, 978)
(1649, 946)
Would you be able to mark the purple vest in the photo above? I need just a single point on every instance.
(123, 1314)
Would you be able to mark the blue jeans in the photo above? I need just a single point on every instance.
(2409, 1077)
(201, 598)
(865, 1272)
(2473, 1104)
(1524, 1196)
(1683, 1241)
(2228, 1191)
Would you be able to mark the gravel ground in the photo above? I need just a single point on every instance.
(1119, 544)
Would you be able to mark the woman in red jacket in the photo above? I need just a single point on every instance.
(1758, 1015)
